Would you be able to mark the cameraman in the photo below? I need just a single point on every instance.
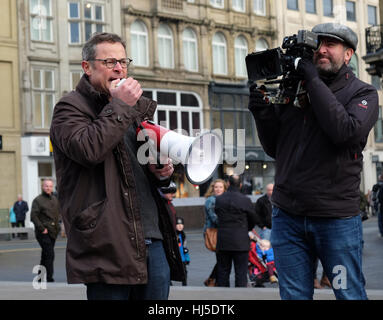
(318, 152)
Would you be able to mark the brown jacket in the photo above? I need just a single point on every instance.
(97, 193)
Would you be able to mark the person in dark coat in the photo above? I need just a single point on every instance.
(20, 207)
(317, 145)
(263, 210)
(167, 195)
(236, 218)
(121, 240)
(45, 217)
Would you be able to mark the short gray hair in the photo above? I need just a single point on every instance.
(89, 49)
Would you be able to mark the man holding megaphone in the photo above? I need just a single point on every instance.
(121, 242)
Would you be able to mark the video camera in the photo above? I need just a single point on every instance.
(273, 63)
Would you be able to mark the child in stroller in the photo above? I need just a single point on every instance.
(261, 261)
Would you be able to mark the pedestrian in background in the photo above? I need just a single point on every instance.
(45, 217)
(377, 198)
(167, 195)
(236, 217)
(216, 188)
(184, 251)
(20, 207)
(263, 210)
(12, 220)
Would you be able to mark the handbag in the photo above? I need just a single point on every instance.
(211, 238)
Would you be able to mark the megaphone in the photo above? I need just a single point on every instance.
(199, 155)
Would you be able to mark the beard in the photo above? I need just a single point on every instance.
(328, 69)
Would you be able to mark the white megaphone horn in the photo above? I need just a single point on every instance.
(199, 155)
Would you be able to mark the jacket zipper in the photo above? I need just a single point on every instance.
(130, 203)
(298, 153)
(134, 225)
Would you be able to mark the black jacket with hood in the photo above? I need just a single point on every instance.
(318, 148)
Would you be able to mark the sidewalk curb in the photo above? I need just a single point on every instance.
(12, 290)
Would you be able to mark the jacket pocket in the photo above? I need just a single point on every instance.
(88, 218)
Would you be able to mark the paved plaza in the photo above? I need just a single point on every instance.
(18, 258)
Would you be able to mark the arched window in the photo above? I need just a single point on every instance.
(139, 44)
(190, 46)
(261, 45)
(241, 50)
(165, 46)
(219, 54)
(354, 65)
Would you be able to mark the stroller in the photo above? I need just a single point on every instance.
(260, 270)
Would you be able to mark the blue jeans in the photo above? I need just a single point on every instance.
(157, 287)
(298, 240)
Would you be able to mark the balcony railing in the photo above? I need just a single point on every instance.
(173, 4)
(374, 36)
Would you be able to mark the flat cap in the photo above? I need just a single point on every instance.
(337, 31)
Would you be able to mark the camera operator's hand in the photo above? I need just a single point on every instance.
(257, 98)
(307, 69)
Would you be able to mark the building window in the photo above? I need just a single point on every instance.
(217, 3)
(43, 91)
(260, 7)
(327, 8)
(376, 82)
(371, 15)
(354, 65)
(177, 110)
(139, 44)
(292, 4)
(75, 77)
(239, 5)
(311, 6)
(165, 47)
(378, 128)
(189, 40)
(229, 111)
(82, 24)
(241, 50)
(350, 11)
(41, 20)
(219, 54)
(261, 45)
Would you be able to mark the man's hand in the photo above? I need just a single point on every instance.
(45, 231)
(165, 172)
(257, 98)
(129, 91)
(307, 69)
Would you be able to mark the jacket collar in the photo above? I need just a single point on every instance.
(233, 189)
(95, 98)
(343, 77)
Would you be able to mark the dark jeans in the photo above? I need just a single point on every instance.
(224, 262)
(21, 224)
(157, 287)
(47, 245)
(13, 224)
(213, 274)
(298, 240)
